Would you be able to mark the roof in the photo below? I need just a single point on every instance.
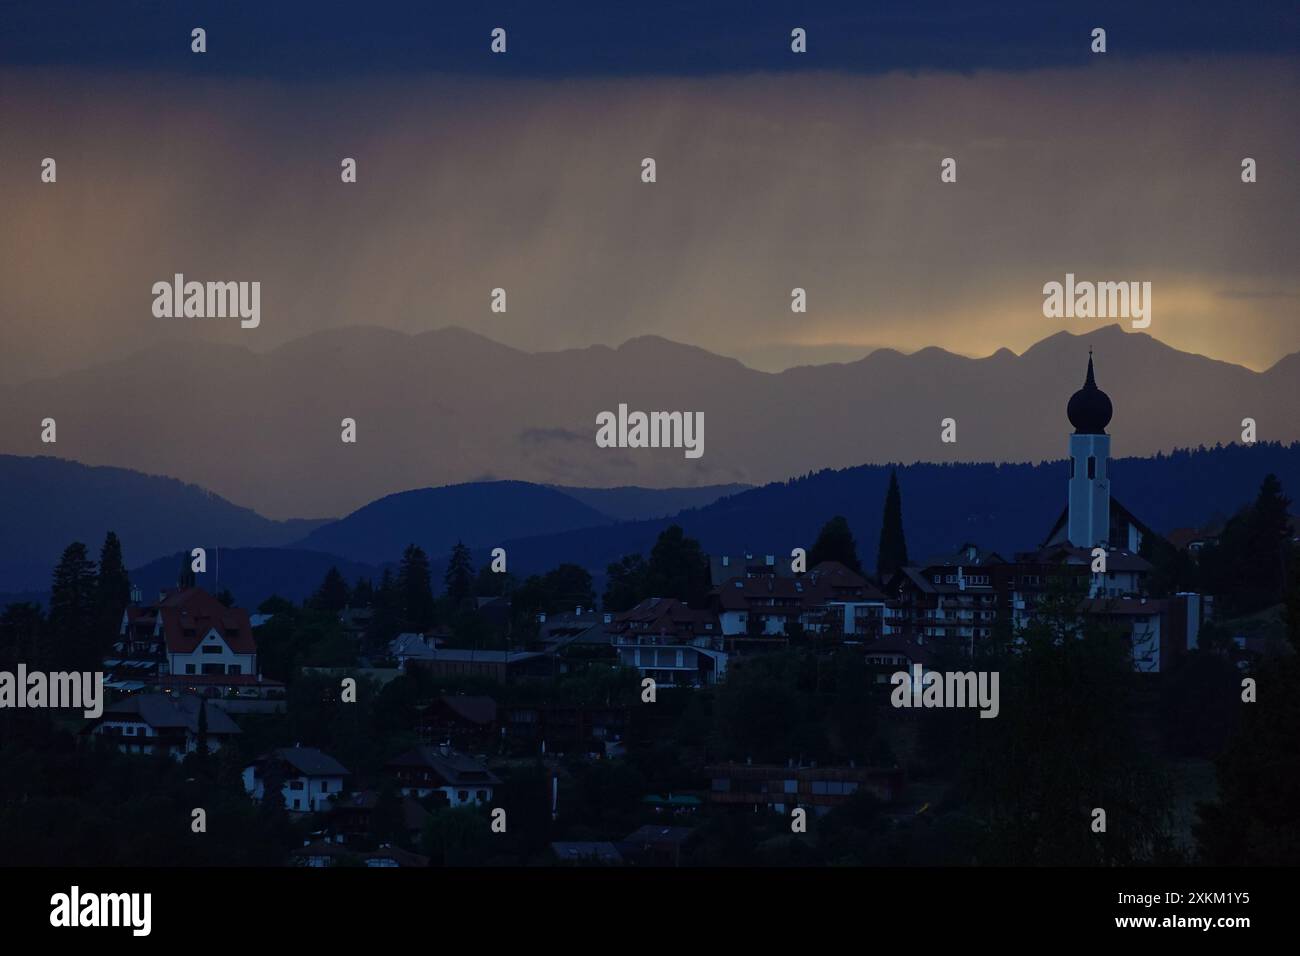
(1117, 559)
(898, 644)
(650, 835)
(967, 556)
(164, 712)
(414, 816)
(188, 615)
(309, 761)
(1117, 511)
(454, 769)
(469, 656)
(662, 616)
(828, 581)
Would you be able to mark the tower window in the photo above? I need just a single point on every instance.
(1071, 467)
(1092, 467)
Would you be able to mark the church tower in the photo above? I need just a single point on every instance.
(1089, 516)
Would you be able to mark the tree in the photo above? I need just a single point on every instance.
(489, 583)
(226, 597)
(892, 553)
(332, 595)
(1065, 742)
(1247, 566)
(835, 543)
(626, 583)
(386, 823)
(386, 623)
(73, 612)
(113, 587)
(414, 589)
(275, 605)
(459, 578)
(678, 568)
(363, 593)
(1255, 820)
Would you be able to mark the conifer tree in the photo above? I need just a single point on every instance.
(892, 554)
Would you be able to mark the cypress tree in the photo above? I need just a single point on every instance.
(893, 545)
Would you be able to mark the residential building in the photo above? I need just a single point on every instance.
(780, 789)
(311, 779)
(670, 643)
(160, 723)
(425, 771)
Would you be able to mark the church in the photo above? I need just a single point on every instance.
(1093, 516)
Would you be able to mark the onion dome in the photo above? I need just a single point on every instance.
(1089, 409)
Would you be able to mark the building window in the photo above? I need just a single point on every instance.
(214, 668)
(481, 795)
(189, 668)
(295, 784)
(1092, 467)
(211, 648)
(234, 669)
(463, 795)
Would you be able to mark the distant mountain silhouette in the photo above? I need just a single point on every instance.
(630, 503)
(1006, 508)
(49, 503)
(449, 406)
(481, 514)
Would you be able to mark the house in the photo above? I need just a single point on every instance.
(312, 779)
(425, 771)
(952, 596)
(780, 789)
(159, 723)
(464, 719)
(496, 665)
(762, 608)
(186, 633)
(669, 642)
(569, 728)
(352, 817)
(655, 845)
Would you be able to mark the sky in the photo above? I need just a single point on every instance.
(522, 171)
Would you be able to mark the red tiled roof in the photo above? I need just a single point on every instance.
(196, 611)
